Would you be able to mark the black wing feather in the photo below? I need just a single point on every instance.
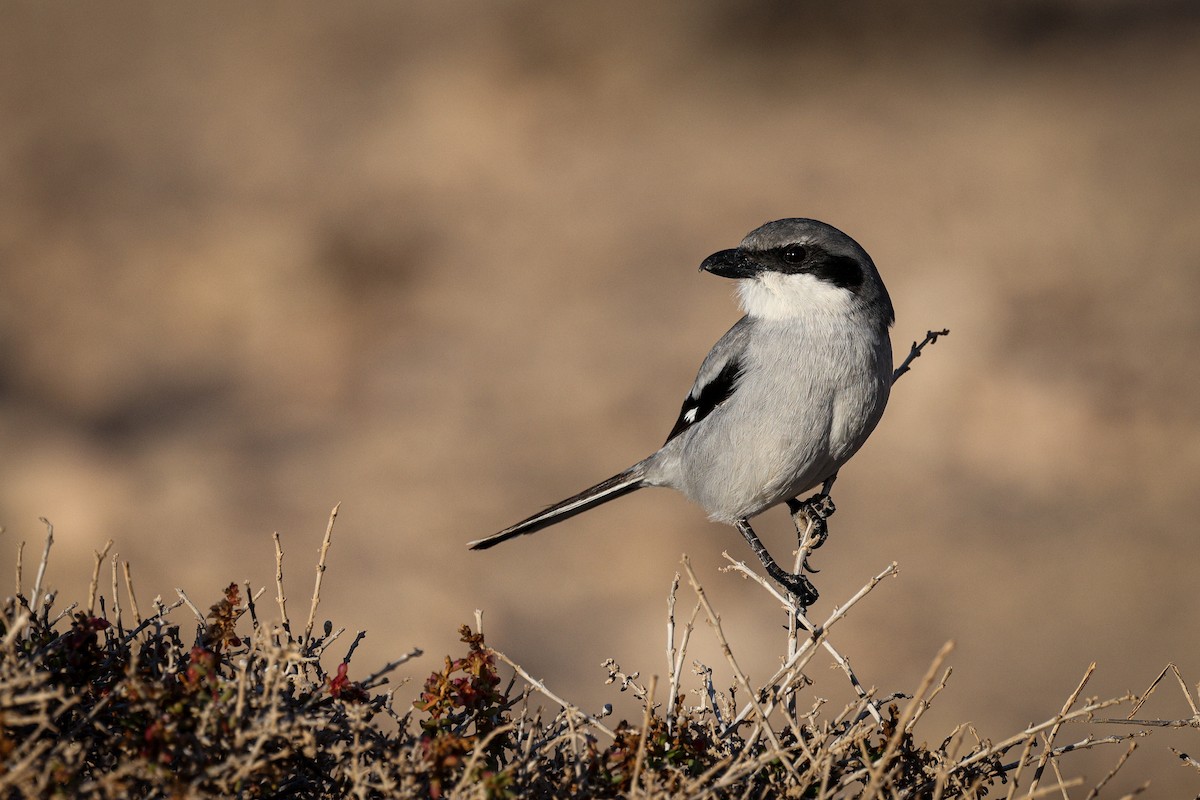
(698, 406)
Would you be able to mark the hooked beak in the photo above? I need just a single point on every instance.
(730, 264)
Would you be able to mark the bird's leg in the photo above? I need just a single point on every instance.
(814, 511)
(798, 586)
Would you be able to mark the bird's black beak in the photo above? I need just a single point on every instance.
(730, 264)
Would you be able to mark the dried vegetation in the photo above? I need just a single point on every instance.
(97, 701)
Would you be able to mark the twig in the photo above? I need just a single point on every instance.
(133, 605)
(677, 674)
(188, 602)
(1086, 711)
(36, 597)
(328, 639)
(877, 770)
(1185, 758)
(714, 622)
(65, 612)
(116, 599)
(1083, 744)
(372, 680)
(1095, 792)
(927, 702)
(672, 686)
(1062, 786)
(279, 598)
(251, 597)
(15, 769)
(641, 751)
(627, 681)
(915, 353)
(1183, 687)
(795, 613)
(1019, 767)
(95, 584)
(708, 692)
(953, 744)
(20, 555)
(316, 596)
(839, 612)
(1041, 766)
(353, 646)
(1144, 696)
(158, 615)
(541, 687)
(1028, 736)
(481, 747)
(1149, 723)
(16, 628)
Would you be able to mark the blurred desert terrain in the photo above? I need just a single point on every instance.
(437, 261)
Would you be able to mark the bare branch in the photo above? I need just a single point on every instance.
(915, 352)
(541, 687)
(795, 613)
(714, 622)
(279, 597)
(1185, 758)
(316, 595)
(1041, 766)
(20, 559)
(137, 615)
(36, 596)
(877, 775)
(641, 751)
(187, 602)
(93, 587)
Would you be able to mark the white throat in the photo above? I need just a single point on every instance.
(773, 295)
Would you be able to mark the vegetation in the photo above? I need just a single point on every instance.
(94, 704)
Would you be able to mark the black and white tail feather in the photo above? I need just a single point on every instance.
(617, 486)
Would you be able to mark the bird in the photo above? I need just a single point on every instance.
(782, 401)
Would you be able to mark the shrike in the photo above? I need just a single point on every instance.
(782, 400)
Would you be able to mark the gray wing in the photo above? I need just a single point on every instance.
(717, 378)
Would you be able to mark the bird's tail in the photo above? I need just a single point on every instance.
(628, 481)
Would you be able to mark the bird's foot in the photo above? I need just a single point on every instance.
(813, 512)
(809, 517)
(800, 588)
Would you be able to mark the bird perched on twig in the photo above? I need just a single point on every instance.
(782, 400)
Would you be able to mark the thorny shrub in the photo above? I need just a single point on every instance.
(92, 708)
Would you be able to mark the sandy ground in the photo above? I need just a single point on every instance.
(436, 261)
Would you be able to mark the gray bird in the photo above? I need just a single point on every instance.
(782, 400)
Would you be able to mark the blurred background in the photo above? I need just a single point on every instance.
(437, 261)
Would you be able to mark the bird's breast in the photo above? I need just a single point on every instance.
(806, 400)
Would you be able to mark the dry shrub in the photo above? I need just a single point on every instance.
(95, 706)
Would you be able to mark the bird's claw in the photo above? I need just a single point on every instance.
(816, 510)
(801, 589)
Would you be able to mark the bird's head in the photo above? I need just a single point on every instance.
(791, 267)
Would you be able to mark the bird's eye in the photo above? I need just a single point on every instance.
(794, 253)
